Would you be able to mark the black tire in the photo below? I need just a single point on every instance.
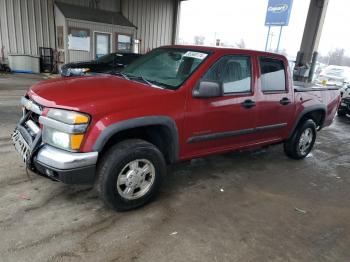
(291, 146)
(115, 160)
(341, 113)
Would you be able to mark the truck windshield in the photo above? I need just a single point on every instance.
(166, 67)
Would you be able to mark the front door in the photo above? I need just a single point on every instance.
(226, 122)
(102, 44)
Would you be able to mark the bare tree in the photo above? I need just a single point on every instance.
(199, 40)
(335, 57)
(240, 44)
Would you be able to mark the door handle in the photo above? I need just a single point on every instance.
(248, 103)
(285, 101)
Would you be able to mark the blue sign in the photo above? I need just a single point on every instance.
(278, 12)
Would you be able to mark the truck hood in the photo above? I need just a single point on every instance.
(92, 93)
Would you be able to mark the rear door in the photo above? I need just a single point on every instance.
(275, 99)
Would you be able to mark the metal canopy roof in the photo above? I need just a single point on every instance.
(93, 15)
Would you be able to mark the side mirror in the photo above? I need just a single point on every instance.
(208, 89)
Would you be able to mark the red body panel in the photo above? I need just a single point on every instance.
(110, 99)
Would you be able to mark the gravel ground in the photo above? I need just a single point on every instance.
(248, 206)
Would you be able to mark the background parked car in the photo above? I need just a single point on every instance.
(105, 64)
(334, 76)
(344, 107)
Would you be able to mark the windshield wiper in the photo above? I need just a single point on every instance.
(121, 74)
(143, 79)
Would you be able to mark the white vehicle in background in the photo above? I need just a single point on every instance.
(332, 75)
(344, 107)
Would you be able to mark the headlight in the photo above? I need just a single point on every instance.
(68, 117)
(71, 142)
(79, 71)
(64, 129)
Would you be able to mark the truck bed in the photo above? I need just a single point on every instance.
(306, 87)
(314, 88)
(311, 96)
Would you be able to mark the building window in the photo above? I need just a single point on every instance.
(273, 76)
(78, 39)
(79, 32)
(124, 43)
(60, 43)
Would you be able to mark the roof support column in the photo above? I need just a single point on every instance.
(307, 55)
(175, 29)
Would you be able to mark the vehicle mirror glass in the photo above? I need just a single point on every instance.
(208, 89)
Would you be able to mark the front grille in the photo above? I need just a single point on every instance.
(34, 117)
(31, 116)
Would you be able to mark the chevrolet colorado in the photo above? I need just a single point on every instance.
(175, 103)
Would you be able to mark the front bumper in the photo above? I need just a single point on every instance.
(64, 166)
(57, 164)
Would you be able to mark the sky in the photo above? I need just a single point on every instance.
(232, 20)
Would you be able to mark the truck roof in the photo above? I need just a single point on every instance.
(225, 49)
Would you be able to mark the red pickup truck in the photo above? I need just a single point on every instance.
(175, 103)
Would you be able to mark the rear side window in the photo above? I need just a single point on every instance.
(273, 76)
(234, 72)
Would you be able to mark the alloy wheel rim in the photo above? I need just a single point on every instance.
(136, 179)
(305, 141)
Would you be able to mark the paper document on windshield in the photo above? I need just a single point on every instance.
(196, 55)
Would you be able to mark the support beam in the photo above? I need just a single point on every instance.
(311, 38)
(175, 28)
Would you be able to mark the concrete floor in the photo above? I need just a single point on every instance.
(250, 206)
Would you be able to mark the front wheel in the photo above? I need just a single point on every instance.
(130, 174)
(302, 141)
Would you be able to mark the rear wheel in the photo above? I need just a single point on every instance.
(130, 174)
(302, 141)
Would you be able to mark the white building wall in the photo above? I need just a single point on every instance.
(26, 25)
(154, 20)
(109, 5)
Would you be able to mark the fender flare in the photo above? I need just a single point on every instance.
(306, 111)
(166, 121)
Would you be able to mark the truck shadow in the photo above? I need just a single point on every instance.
(217, 171)
(345, 119)
(233, 169)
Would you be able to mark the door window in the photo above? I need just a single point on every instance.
(273, 76)
(234, 72)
